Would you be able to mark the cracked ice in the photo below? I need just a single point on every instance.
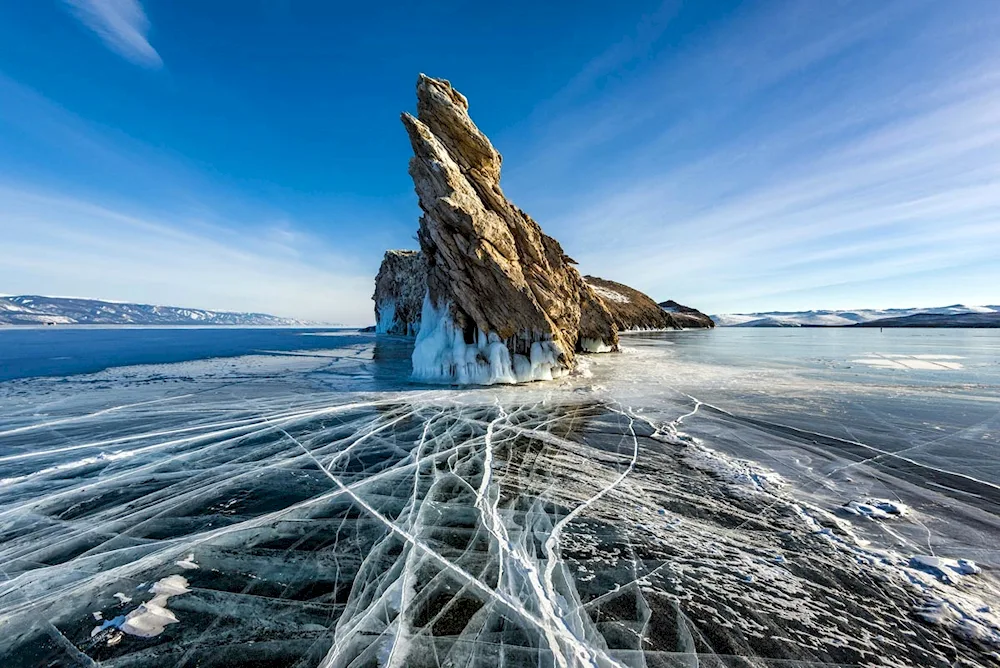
(514, 527)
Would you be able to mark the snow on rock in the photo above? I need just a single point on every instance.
(685, 316)
(892, 317)
(635, 311)
(607, 294)
(493, 277)
(39, 310)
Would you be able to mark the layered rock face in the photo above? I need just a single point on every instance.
(503, 302)
(687, 317)
(636, 311)
(631, 309)
(399, 293)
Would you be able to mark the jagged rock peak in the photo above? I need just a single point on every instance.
(504, 303)
(445, 112)
(399, 293)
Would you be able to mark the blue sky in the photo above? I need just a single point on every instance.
(735, 156)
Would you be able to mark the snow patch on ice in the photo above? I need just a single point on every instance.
(744, 477)
(963, 616)
(946, 570)
(876, 508)
(150, 618)
(944, 599)
(188, 563)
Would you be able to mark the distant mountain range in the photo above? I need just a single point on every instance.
(38, 310)
(957, 315)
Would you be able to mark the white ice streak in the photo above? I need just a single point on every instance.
(916, 362)
(515, 606)
(87, 416)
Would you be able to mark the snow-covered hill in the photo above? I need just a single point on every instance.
(38, 310)
(829, 318)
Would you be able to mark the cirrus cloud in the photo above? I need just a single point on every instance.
(122, 25)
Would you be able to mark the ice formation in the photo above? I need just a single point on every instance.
(442, 355)
(386, 319)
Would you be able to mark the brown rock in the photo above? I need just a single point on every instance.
(493, 276)
(687, 317)
(634, 310)
(399, 293)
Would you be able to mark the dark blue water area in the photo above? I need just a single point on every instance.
(31, 352)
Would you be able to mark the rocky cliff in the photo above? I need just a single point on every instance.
(399, 293)
(687, 317)
(504, 302)
(631, 309)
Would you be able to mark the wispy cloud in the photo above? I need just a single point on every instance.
(59, 245)
(122, 25)
(796, 156)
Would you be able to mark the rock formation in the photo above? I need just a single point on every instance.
(631, 309)
(399, 293)
(687, 317)
(503, 303)
(634, 310)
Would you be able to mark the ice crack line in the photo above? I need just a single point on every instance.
(551, 546)
(557, 630)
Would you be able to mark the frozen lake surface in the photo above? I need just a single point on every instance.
(735, 497)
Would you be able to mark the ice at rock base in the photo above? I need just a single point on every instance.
(389, 323)
(595, 346)
(441, 355)
(386, 317)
